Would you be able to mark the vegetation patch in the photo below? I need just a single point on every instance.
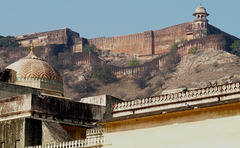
(133, 62)
(192, 50)
(105, 75)
(235, 48)
(8, 41)
(91, 48)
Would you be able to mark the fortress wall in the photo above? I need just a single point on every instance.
(61, 36)
(86, 58)
(120, 72)
(145, 43)
(140, 43)
(164, 38)
(216, 42)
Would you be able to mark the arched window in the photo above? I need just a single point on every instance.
(198, 25)
(202, 25)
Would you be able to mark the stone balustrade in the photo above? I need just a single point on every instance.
(95, 131)
(177, 99)
(97, 141)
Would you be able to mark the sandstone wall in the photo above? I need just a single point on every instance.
(164, 38)
(145, 43)
(62, 36)
(128, 44)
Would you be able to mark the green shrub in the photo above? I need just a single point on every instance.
(91, 48)
(8, 41)
(133, 62)
(192, 50)
(235, 47)
(183, 41)
(173, 59)
(105, 75)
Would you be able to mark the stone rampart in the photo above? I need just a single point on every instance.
(145, 43)
(128, 44)
(164, 38)
(62, 36)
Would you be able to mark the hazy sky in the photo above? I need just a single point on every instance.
(98, 18)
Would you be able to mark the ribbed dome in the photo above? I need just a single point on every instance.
(34, 72)
(201, 10)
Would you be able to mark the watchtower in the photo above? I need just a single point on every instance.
(200, 22)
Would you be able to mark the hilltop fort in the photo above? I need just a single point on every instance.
(34, 112)
(139, 44)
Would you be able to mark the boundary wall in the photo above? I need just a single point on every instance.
(145, 43)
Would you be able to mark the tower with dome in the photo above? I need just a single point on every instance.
(200, 26)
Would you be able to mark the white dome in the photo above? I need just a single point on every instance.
(200, 10)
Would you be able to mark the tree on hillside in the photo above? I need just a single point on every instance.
(91, 48)
(105, 75)
(8, 41)
(173, 58)
(133, 62)
(235, 47)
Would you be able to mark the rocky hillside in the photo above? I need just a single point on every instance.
(201, 69)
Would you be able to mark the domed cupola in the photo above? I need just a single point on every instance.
(200, 22)
(34, 72)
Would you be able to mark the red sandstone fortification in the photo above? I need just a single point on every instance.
(197, 33)
(139, 44)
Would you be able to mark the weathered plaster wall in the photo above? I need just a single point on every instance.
(209, 127)
(12, 132)
(11, 90)
(63, 109)
(15, 107)
(52, 132)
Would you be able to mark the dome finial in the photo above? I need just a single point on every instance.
(32, 48)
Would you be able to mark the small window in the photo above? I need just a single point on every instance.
(17, 144)
(202, 25)
(2, 144)
(198, 25)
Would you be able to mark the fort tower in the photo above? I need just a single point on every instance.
(200, 22)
